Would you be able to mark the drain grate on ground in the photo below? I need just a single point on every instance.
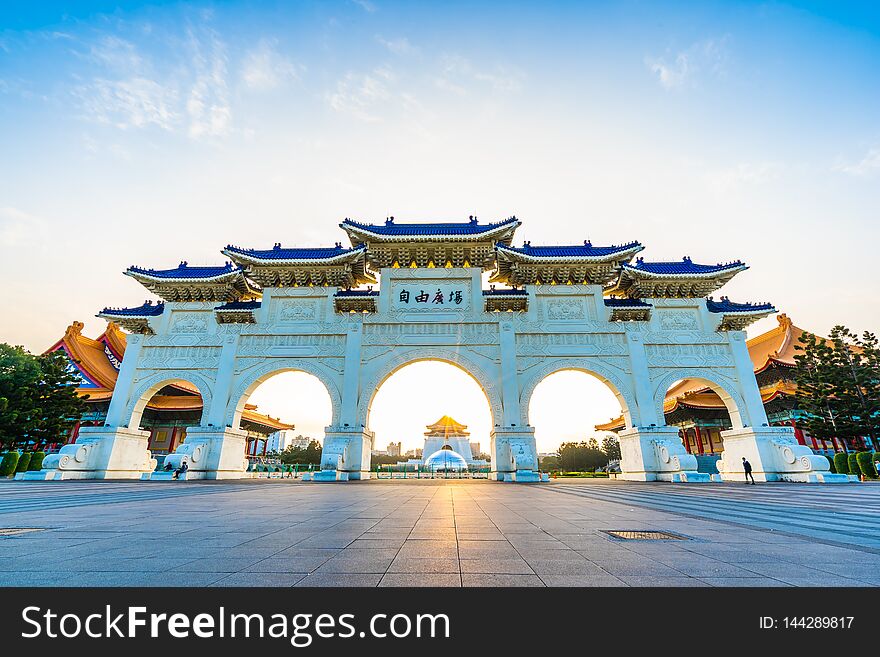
(15, 531)
(644, 535)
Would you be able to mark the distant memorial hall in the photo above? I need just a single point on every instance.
(408, 292)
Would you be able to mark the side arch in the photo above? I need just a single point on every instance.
(723, 386)
(149, 386)
(370, 387)
(623, 392)
(249, 381)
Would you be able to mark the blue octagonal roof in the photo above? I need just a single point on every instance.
(183, 270)
(279, 253)
(147, 309)
(684, 266)
(392, 229)
(725, 305)
(585, 250)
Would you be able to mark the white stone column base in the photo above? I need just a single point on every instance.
(656, 454)
(514, 454)
(775, 455)
(210, 453)
(345, 455)
(101, 453)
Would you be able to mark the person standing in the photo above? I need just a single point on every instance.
(747, 467)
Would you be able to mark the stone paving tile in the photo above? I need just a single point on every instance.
(355, 565)
(496, 566)
(428, 579)
(556, 567)
(651, 581)
(494, 579)
(425, 565)
(286, 565)
(742, 581)
(275, 580)
(593, 580)
(340, 579)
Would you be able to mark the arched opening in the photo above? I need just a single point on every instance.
(576, 414)
(701, 409)
(166, 409)
(422, 407)
(283, 413)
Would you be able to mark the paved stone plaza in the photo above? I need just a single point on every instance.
(437, 533)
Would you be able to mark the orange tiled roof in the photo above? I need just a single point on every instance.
(446, 426)
(90, 356)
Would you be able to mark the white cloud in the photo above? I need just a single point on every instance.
(458, 71)
(677, 70)
(366, 5)
(868, 165)
(756, 173)
(399, 46)
(265, 69)
(360, 95)
(131, 103)
(208, 107)
(18, 228)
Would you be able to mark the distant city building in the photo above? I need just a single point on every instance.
(281, 440)
(475, 449)
(394, 449)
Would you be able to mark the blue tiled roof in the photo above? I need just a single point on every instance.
(613, 302)
(389, 228)
(585, 250)
(684, 266)
(504, 291)
(279, 253)
(148, 309)
(357, 293)
(239, 305)
(725, 305)
(183, 270)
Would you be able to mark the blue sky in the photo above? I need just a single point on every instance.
(150, 133)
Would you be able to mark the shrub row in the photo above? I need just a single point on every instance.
(856, 463)
(14, 462)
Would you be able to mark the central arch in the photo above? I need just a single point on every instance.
(385, 370)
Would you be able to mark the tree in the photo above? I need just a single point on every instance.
(37, 396)
(839, 385)
(611, 447)
(60, 404)
(580, 457)
(309, 455)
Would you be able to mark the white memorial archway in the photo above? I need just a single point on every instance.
(637, 326)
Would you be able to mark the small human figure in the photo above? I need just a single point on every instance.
(181, 470)
(748, 470)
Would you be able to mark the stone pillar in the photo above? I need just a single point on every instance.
(656, 453)
(210, 453)
(100, 453)
(775, 455)
(512, 445)
(346, 455)
(124, 382)
(773, 452)
(514, 454)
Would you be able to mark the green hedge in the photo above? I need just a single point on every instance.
(866, 464)
(831, 464)
(840, 463)
(853, 464)
(7, 466)
(23, 462)
(36, 463)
